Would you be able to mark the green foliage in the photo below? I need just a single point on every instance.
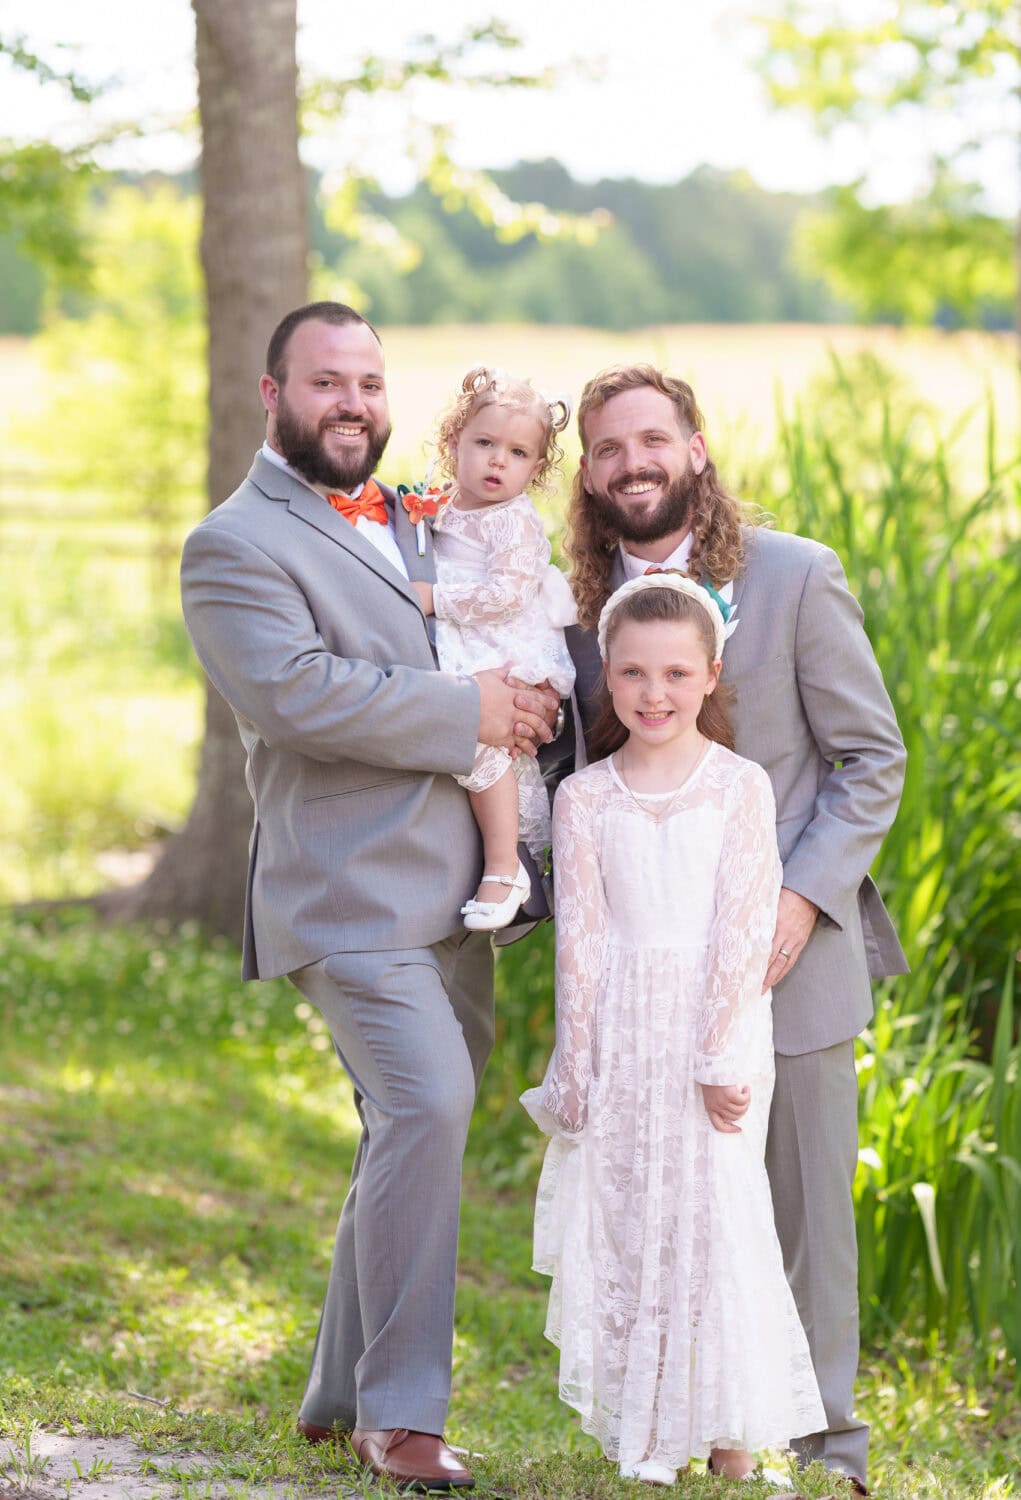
(712, 248)
(408, 272)
(43, 192)
(128, 376)
(838, 63)
(916, 261)
(469, 61)
(21, 289)
(176, 1148)
(43, 189)
(916, 60)
(939, 1204)
(474, 60)
(933, 571)
(22, 56)
(98, 673)
(609, 284)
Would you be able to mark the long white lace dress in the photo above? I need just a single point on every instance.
(677, 1330)
(497, 598)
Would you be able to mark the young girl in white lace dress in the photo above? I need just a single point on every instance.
(678, 1334)
(499, 601)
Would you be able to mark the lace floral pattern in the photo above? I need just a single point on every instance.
(491, 604)
(675, 1323)
(489, 597)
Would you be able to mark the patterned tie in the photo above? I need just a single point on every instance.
(370, 504)
(653, 569)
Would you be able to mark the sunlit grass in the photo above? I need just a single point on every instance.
(170, 1188)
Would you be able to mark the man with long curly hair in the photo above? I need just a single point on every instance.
(811, 708)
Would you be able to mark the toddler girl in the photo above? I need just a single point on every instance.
(678, 1334)
(498, 601)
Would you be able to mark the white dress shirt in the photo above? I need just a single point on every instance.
(382, 534)
(635, 567)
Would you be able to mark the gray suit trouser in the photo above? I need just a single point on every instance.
(413, 1028)
(811, 1155)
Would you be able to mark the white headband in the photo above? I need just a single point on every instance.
(680, 585)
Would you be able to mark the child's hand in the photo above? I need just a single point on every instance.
(425, 596)
(725, 1103)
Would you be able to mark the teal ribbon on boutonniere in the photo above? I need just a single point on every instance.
(421, 500)
(726, 610)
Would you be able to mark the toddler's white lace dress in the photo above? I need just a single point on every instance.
(497, 598)
(677, 1330)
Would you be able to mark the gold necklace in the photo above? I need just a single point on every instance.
(657, 817)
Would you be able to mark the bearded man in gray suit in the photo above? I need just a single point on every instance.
(811, 708)
(298, 595)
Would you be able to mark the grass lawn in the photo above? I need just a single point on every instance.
(175, 1151)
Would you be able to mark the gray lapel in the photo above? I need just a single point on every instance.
(310, 507)
(313, 509)
(422, 569)
(742, 577)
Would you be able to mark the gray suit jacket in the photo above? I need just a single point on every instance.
(362, 839)
(811, 708)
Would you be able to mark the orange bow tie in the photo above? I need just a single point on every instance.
(370, 504)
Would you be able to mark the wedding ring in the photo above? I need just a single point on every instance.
(785, 953)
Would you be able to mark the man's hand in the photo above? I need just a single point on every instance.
(550, 706)
(725, 1103)
(795, 918)
(513, 716)
(425, 595)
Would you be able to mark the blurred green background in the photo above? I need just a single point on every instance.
(150, 1233)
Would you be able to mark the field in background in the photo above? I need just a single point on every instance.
(100, 700)
(737, 371)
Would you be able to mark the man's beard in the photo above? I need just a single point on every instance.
(303, 448)
(672, 513)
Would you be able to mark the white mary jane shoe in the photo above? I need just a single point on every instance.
(490, 916)
(649, 1472)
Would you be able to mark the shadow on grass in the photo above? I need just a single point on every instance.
(175, 1156)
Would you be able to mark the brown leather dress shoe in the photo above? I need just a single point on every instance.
(418, 1461)
(313, 1434)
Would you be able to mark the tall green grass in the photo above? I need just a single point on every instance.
(939, 1190)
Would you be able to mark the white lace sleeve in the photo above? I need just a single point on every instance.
(518, 553)
(747, 891)
(558, 1106)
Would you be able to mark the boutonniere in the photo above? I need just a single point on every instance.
(421, 501)
(723, 599)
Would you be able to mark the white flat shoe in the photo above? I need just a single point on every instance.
(649, 1472)
(490, 916)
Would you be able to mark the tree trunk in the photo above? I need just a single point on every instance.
(255, 258)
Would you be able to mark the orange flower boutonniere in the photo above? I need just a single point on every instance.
(422, 501)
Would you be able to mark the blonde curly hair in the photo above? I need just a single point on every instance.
(483, 387)
(717, 518)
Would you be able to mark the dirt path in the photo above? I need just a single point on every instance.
(59, 1466)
